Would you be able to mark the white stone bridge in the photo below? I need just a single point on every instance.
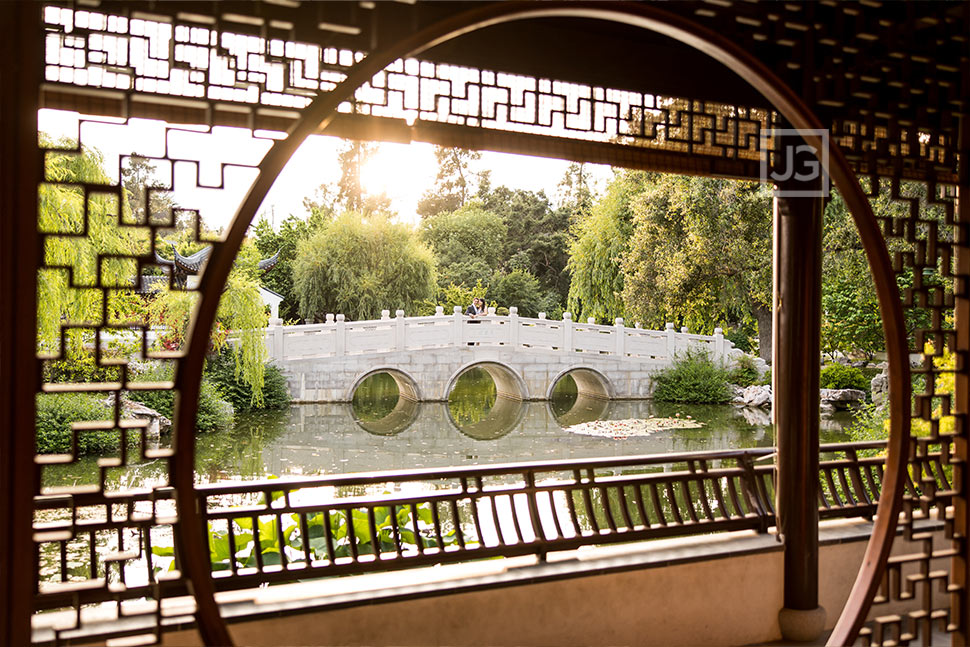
(525, 357)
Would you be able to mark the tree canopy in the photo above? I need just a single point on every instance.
(468, 244)
(700, 254)
(359, 265)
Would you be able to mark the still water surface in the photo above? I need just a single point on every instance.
(380, 431)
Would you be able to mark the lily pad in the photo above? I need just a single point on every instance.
(632, 427)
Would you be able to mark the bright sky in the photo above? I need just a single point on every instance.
(404, 172)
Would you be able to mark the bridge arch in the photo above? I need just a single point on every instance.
(589, 382)
(405, 410)
(508, 381)
(593, 394)
(407, 386)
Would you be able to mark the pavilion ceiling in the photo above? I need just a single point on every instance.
(890, 78)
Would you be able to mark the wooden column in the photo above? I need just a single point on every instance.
(961, 400)
(795, 375)
(21, 59)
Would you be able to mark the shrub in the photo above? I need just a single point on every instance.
(837, 376)
(744, 372)
(221, 371)
(56, 412)
(740, 339)
(766, 380)
(214, 412)
(693, 378)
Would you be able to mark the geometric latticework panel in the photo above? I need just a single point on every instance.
(109, 64)
(104, 543)
(920, 594)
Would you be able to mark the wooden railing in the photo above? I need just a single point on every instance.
(286, 530)
(338, 337)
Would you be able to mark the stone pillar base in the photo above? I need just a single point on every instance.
(802, 625)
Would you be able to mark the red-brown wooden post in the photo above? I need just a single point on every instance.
(21, 60)
(795, 375)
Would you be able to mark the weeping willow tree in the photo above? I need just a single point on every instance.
(241, 315)
(82, 243)
(90, 247)
(359, 265)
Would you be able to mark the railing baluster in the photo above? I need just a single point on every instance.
(590, 511)
(657, 505)
(375, 543)
(395, 531)
(689, 499)
(605, 498)
(305, 537)
(570, 493)
(674, 506)
(416, 527)
(436, 522)
(638, 501)
(719, 497)
(257, 543)
(456, 520)
(622, 502)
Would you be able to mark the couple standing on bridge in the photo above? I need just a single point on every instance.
(477, 308)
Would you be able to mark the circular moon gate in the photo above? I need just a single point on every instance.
(323, 109)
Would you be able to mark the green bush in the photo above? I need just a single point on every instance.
(214, 412)
(745, 372)
(221, 371)
(837, 376)
(766, 380)
(740, 339)
(56, 412)
(693, 378)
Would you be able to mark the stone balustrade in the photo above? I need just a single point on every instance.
(525, 356)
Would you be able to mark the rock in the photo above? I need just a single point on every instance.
(843, 399)
(757, 417)
(879, 386)
(756, 396)
(158, 424)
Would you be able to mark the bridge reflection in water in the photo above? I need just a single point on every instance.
(382, 430)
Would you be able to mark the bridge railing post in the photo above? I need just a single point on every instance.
(439, 311)
(275, 335)
(567, 331)
(399, 330)
(620, 337)
(671, 341)
(719, 344)
(340, 346)
(514, 327)
(458, 329)
(385, 315)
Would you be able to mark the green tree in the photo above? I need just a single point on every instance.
(149, 197)
(537, 240)
(352, 157)
(851, 322)
(453, 184)
(700, 254)
(520, 289)
(574, 193)
(599, 242)
(268, 242)
(468, 244)
(81, 229)
(358, 265)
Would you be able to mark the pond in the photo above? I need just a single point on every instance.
(381, 431)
